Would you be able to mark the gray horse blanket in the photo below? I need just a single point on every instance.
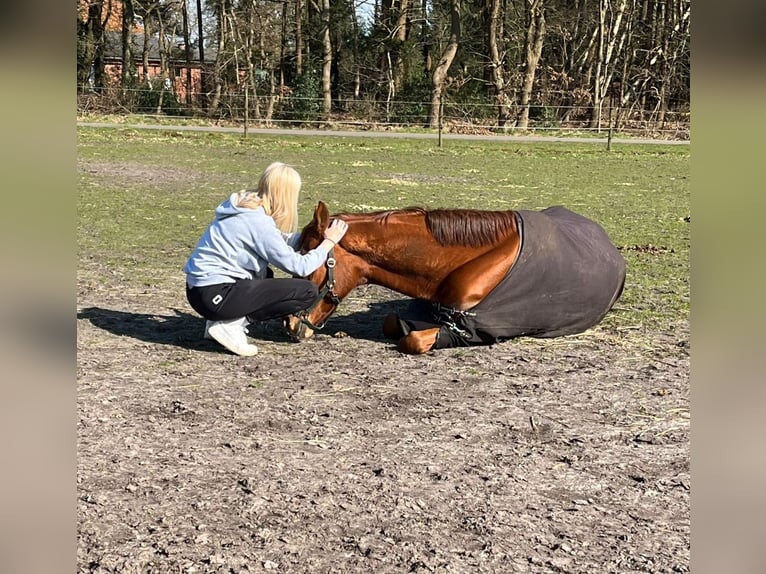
(567, 276)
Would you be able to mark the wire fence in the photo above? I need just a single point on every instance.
(288, 110)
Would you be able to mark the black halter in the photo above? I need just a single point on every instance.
(327, 289)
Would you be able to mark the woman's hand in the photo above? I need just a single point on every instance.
(336, 231)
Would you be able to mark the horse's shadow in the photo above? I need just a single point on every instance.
(366, 324)
(182, 329)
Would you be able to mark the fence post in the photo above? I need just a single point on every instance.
(441, 115)
(247, 109)
(609, 133)
(615, 92)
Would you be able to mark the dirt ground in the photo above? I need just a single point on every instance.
(341, 455)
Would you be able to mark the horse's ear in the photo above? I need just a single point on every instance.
(322, 216)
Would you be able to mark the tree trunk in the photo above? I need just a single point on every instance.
(95, 38)
(674, 34)
(272, 97)
(496, 65)
(534, 48)
(384, 21)
(201, 48)
(187, 53)
(575, 40)
(283, 40)
(611, 34)
(128, 64)
(249, 54)
(425, 38)
(400, 36)
(326, 59)
(355, 48)
(161, 35)
(448, 55)
(236, 44)
(148, 30)
(298, 39)
(628, 61)
(220, 56)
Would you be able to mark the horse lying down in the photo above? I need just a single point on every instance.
(476, 277)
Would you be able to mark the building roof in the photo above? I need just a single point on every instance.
(113, 48)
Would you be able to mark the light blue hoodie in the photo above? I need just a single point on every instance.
(240, 243)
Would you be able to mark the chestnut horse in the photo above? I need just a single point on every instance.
(476, 277)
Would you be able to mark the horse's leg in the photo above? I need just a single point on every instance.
(415, 337)
(392, 329)
(418, 342)
(464, 288)
(416, 317)
(469, 284)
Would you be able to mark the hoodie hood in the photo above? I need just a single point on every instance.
(228, 207)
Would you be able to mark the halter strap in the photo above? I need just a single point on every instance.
(327, 288)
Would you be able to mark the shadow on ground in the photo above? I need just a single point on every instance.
(179, 329)
(185, 330)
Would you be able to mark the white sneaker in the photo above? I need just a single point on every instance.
(208, 323)
(231, 334)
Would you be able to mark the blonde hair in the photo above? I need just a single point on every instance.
(278, 190)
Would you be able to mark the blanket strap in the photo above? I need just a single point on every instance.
(449, 317)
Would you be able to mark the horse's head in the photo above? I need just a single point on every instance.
(335, 279)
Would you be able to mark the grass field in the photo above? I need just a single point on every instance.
(146, 218)
(145, 197)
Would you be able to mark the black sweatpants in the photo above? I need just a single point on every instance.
(256, 299)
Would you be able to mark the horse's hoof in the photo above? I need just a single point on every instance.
(392, 329)
(418, 342)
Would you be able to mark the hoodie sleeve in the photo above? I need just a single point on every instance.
(270, 244)
(292, 239)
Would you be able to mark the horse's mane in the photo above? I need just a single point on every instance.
(469, 227)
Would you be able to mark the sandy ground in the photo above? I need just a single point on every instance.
(341, 455)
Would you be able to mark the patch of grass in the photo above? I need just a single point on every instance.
(146, 196)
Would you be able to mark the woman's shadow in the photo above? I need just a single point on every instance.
(182, 329)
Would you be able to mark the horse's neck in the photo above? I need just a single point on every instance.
(401, 255)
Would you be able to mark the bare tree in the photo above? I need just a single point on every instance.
(220, 7)
(147, 12)
(673, 46)
(535, 20)
(425, 34)
(610, 36)
(128, 63)
(91, 42)
(283, 42)
(355, 48)
(440, 72)
(201, 49)
(242, 24)
(166, 29)
(326, 58)
(497, 70)
(298, 39)
(400, 33)
(187, 51)
(563, 54)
